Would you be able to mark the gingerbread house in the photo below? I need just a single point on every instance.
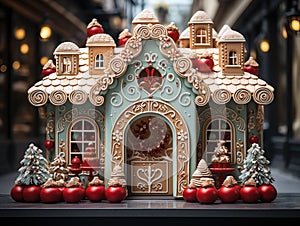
(149, 109)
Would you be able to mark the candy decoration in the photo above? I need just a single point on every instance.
(94, 28)
(251, 66)
(48, 68)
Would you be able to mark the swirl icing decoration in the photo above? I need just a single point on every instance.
(263, 96)
(158, 30)
(162, 64)
(102, 84)
(105, 81)
(192, 77)
(94, 96)
(204, 94)
(221, 96)
(137, 66)
(182, 65)
(58, 97)
(152, 31)
(142, 31)
(201, 100)
(78, 97)
(38, 97)
(150, 57)
(116, 99)
(118, 66)
(185, 99)
(242, 96)
(131, 93)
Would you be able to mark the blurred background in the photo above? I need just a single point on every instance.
(30, 30)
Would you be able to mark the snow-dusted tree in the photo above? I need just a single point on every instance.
(34, 167)
(256, 166)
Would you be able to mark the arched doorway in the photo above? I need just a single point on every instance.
(149, 161)
(180, 142)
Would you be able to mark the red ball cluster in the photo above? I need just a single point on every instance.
(230, 194)
(94, 193)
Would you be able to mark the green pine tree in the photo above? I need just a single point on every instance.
(34, 167)
(256, 166)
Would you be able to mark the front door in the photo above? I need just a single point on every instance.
(149, 149)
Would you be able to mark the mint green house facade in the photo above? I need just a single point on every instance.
(148, 112)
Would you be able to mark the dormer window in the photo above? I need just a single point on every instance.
(99, 61)
(201, 36)
(100, 52)
(233, 59)
(67, 58)
(231, 52)
(200, 26)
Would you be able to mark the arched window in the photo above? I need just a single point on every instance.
(201, 36)
(217, 130)
(99, 61)
(83, 135)
(66, 65)
(233, 59)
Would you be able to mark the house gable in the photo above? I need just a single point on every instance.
(146, 37)
(153, 78)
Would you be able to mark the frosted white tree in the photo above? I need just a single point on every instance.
(34, 167)
(256, 166)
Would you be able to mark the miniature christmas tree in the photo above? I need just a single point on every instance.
(34, 167)
(256, 166)
(202, 176)
(58, 168)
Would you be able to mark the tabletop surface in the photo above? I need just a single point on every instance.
(286, 205)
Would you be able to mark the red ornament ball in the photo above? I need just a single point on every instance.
(122, 41)
(115, 194)
(253, 139)
(17, 193)
(173, 31)
(174, 35)
(205, 64)
(48, 71)
(95, 193)
(251, 69)
(73, 194)
(49, 144)
(228, 194)
(51, 195)
(267, 192)
(249, 194)
(189, 194)
(31, 193)
(76, 162)
(94, 30)
(207, 195)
